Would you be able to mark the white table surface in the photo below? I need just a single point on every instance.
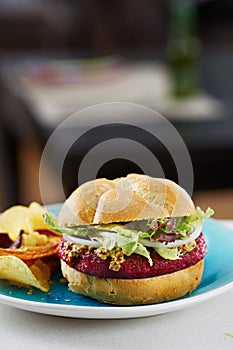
(203, 326)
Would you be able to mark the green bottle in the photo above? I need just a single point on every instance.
(183, 49)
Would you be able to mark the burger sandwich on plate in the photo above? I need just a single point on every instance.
(131, 241)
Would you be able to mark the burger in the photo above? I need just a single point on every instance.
(131, 241)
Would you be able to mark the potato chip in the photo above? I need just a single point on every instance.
(18, 218)
(15, 270)
(36, 217)
(15, 219)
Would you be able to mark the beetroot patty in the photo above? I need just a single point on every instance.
(134, 266)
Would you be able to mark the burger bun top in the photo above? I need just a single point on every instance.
(134, 197)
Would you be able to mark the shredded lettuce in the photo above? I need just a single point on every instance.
(127, 240)
(144, 235)
(123, 238)
(182, 227)
(116, 235)
(106, 239)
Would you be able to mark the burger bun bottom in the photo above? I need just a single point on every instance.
(134, 291)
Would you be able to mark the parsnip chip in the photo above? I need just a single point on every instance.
(28, 219)
(15, 270)
(32, 253)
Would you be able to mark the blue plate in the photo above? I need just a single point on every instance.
(217, 278)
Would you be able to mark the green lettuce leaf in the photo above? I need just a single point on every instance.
(200, 215)
(168, 253)
(183, 227)
(112, 235)
(141, 250)
(106, 239)
(51, 220)
(144, 235)
(126, 239)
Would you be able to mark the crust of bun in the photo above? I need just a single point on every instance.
(135, 197)
(80, 207)
(134, 291)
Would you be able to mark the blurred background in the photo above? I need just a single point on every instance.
(59, 56)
